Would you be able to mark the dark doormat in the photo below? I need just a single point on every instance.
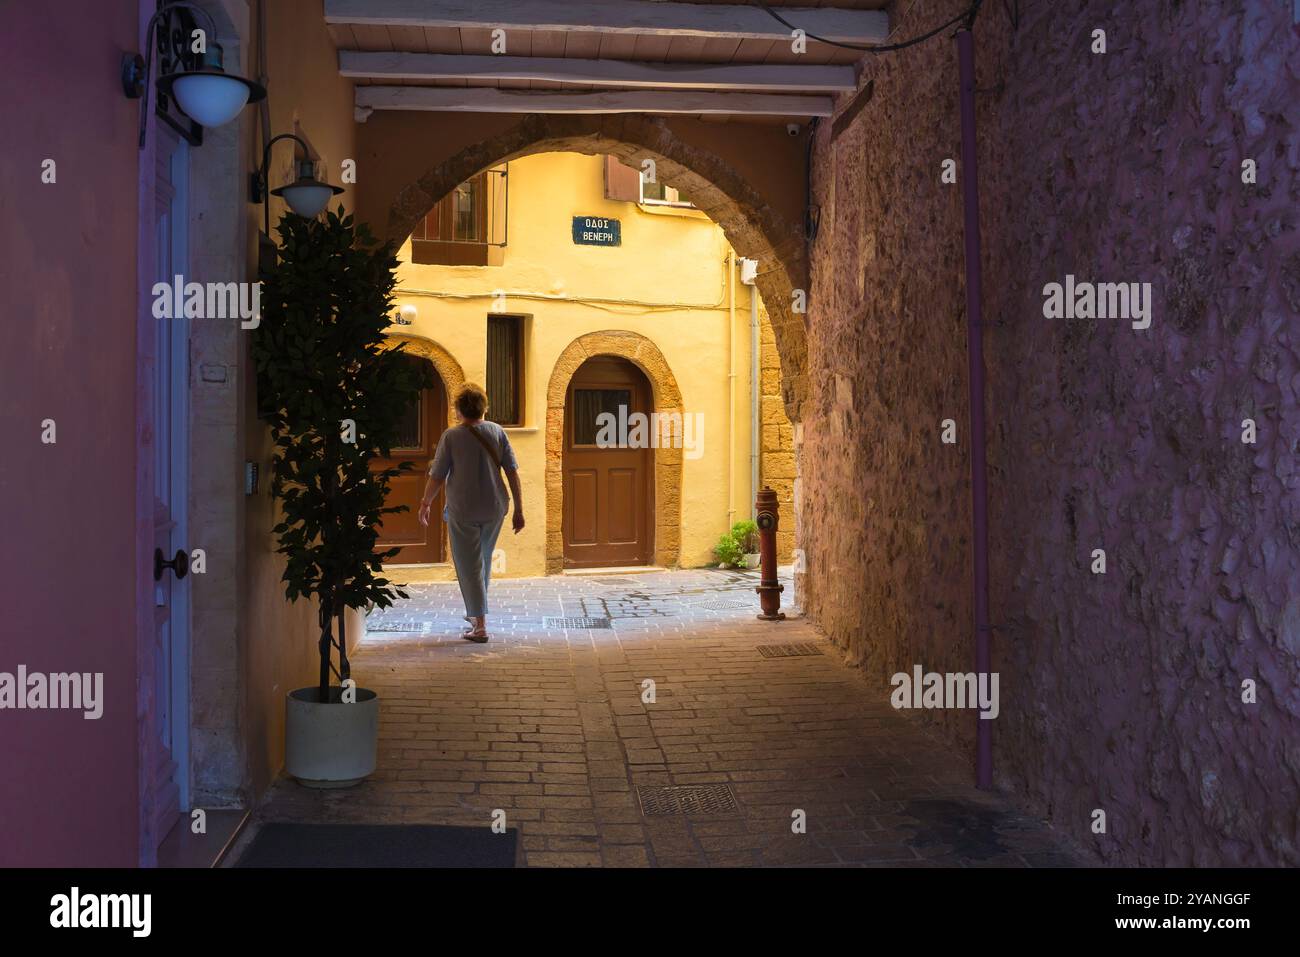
(379, 845)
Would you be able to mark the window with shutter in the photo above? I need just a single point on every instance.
(466, 227)
(622, 183)
(626, 184)
(505, 364)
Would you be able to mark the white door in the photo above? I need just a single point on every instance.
(169, 741)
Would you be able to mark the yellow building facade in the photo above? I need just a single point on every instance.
(568, 292)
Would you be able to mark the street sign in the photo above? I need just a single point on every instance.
(596, 231)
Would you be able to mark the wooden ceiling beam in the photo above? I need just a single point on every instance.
(492, 100)
(642, 17)
(769, 77)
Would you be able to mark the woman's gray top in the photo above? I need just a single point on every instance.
(475, 490)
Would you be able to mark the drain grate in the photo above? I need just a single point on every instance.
(797, 650)
(725, 605)
(570, 623)
(686, 799)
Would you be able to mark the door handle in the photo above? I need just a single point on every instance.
(180, 563)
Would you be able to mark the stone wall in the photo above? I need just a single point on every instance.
(1123, 691)
(217, 253)
(776, 463)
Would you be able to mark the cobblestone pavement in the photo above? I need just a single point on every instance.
(548, 723)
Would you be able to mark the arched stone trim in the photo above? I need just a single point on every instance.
(449, 370)
(754, 229)
(666, 397)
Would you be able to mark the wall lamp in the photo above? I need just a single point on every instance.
(306, 195)
(202, 89)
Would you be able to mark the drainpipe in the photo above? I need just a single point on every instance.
(731, 388)
(749, 276)
(975, 357)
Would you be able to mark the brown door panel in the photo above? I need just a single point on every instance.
(621, 525)
(582, 492)
(419, 545)
(608, 497)
(404, 528)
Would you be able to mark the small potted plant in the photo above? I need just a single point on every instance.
(333, 394)
(738, 548)
(728, 552)
(746, 535)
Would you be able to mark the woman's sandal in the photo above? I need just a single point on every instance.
(470, 634)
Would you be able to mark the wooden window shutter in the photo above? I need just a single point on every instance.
(505, 355)
(622, 183)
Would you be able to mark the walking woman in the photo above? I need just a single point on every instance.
(469, 461)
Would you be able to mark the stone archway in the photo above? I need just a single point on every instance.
(719, 175)
(667, 398)
(449, 370)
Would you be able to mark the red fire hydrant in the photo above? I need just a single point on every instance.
(767, 516)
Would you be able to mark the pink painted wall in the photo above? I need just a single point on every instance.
(68, 568)
(1119, 691)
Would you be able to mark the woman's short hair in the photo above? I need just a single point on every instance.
(471, 401)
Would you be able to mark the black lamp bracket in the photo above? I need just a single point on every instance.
(169, 36)
(258, 186)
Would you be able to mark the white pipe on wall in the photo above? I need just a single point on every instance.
(731, 388)
(755, 410)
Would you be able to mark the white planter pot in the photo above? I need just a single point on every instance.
(332, 745)
(751, 559)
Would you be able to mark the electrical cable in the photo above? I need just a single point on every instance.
(901, 20)
(606, 305)
(968, 15)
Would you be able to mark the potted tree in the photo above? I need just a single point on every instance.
(333, 395)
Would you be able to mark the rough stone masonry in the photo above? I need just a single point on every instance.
(1124, 690)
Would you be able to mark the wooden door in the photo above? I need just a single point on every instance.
(425, 420)
(166, 758)
(608, 495)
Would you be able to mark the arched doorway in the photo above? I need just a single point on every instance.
(422, 425)
(608, 466)
(665, 398)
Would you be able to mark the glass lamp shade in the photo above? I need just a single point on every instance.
(207, 93)
(307, 195)
(306, 199)
(210, 99)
